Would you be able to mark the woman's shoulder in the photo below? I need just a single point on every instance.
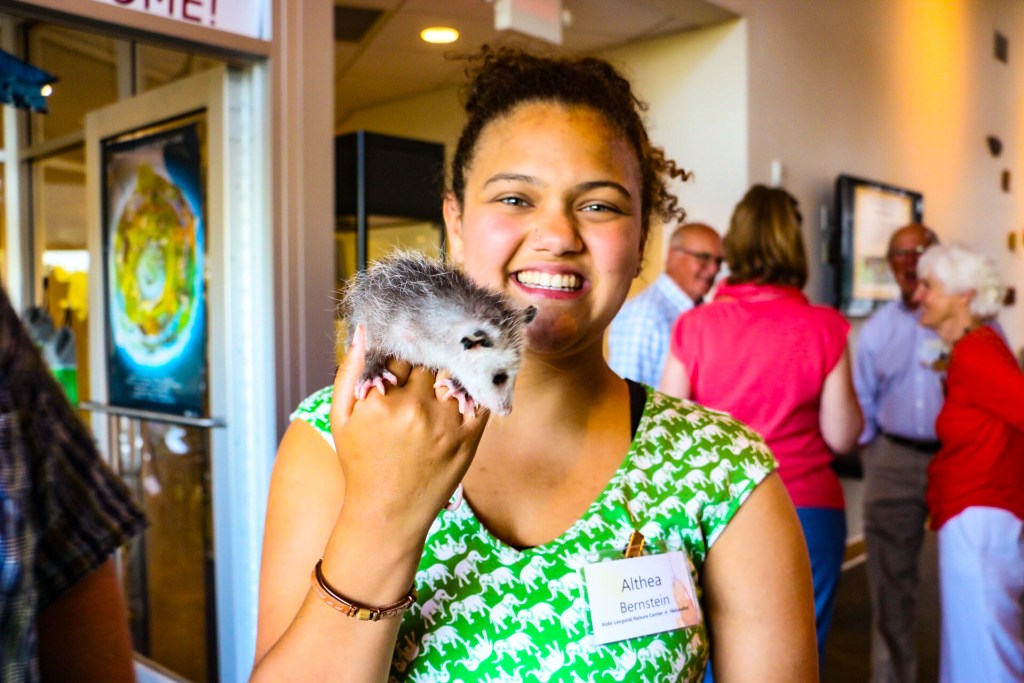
(315, 410)
(683, 428)
(706, 459)
(981, 348)
(828, 323)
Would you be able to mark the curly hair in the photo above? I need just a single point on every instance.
(500, 79)
(961, 270)
(764, 243)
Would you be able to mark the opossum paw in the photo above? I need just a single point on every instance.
(466, 403)
(456, 500)
(363, 386)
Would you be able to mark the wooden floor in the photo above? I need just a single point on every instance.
(847, 657)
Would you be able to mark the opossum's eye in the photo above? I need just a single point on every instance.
(500, 379)
(479, 337)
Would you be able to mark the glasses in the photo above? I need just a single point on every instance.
(913, 252)
(704, 257)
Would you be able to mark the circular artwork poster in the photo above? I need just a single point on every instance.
(155, 272)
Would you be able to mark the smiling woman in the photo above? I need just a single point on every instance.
(975, 480)
(554, 185)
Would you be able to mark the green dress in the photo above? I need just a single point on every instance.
(489, 612)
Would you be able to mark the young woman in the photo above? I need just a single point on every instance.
(553, 186)
(765, 355)
(976, 479)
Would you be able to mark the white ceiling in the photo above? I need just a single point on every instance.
(390, 62)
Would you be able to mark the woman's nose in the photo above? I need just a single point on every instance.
(918, 294)
(556, 232)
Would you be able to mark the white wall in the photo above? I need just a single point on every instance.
(435, 117)
(902, 91)
(695, 87)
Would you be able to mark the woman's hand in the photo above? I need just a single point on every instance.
(404, 453)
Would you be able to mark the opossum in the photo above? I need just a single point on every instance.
(428, 313)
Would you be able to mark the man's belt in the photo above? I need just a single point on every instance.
(914, 444)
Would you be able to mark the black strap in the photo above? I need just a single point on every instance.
(637, 400)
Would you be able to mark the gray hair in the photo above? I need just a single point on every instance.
(961, 270)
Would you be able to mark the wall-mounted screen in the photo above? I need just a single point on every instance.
(868, 212)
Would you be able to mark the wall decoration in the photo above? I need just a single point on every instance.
(154, 253)
(868, 213)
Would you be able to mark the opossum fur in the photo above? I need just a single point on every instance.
(429, 313)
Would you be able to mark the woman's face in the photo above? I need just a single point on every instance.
(551, 217)
(941, 311)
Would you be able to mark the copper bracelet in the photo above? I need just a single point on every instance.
(350, 609)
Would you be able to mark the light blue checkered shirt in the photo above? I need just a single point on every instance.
(638, 339)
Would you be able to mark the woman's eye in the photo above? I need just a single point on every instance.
(600, 207)
(513, 201)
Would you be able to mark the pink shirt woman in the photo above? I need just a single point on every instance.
(762, 353)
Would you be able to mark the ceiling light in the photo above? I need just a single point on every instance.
(46, 90)
(439, 34)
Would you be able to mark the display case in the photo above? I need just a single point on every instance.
(388, 195)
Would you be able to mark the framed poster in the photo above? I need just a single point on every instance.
(869, 212)
(154, 246)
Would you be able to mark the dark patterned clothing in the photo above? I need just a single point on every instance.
(490, 612)
(62, 511)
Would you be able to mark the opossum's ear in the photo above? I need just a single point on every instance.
(529, 313)
(478, 338)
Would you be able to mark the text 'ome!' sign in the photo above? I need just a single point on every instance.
(249, 18)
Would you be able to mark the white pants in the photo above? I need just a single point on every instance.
(981, 578)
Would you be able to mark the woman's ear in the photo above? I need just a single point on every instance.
(642, 250)
(453, 227)
(640, 255)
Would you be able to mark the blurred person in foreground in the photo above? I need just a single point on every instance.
(976, 480)
(639, 335)
(62, 515)
(761, 352)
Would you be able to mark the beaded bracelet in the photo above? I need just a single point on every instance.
(350, 609)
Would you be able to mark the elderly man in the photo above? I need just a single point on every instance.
(639, 336)
(900, 394)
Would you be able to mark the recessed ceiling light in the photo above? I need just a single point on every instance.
(439, 34)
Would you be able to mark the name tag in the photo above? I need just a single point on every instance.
(639, 596)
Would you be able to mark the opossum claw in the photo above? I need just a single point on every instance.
(363, 386)
(466, 402)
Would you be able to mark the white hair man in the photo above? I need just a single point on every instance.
(638, 338)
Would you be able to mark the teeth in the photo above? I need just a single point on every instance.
(565, 281)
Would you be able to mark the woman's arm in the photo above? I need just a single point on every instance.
(675, 379)
(83, 635)
(366, 512)
(758, 594)
(840, 418)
